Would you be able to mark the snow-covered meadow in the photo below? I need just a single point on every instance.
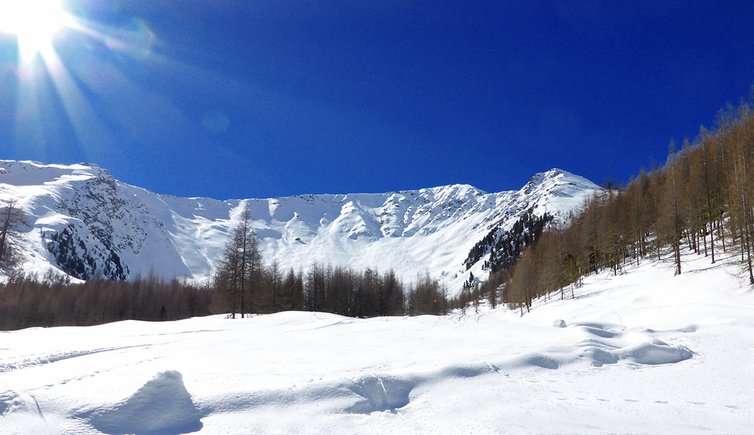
(644, 352)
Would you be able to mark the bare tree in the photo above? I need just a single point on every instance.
(240, 267)
(11, 217)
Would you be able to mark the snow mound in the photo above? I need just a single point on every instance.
(20, 413)
(162, 406)
(12, 402)
(541, 361)
(607, 344)
(380, 394)
(649, 353)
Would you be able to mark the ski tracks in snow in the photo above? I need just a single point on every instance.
(59, 356)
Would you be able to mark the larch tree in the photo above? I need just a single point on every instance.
(11, 217)
(673, 225)
(707, 168)
(741, 212)
(240, 267)
(275, 279)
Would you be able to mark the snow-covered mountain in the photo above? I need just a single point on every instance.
(83, 222)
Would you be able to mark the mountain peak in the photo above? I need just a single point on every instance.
(557, 177)
(83, 222)
(458, 189)
(550, 174)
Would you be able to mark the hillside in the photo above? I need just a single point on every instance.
(643, 352)
(85, 223)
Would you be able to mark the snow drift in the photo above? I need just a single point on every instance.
(161, 406)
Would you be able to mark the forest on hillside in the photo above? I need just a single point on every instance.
(700, 200)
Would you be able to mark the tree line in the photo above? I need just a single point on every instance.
(28, 301)
(700, 200)
(242, 284)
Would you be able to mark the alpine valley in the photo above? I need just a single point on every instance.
(81, 221)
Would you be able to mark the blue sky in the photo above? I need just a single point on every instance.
(257, 98)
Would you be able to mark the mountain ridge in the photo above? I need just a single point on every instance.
(86, 223)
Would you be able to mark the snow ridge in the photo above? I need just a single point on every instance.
(85, 223)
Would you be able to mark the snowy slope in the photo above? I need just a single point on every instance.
(644, 352)
(86, 223)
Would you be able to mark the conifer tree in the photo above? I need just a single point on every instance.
(240, 267)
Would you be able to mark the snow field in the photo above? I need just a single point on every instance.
(643, 352)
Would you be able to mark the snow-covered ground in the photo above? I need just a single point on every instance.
(644, 352)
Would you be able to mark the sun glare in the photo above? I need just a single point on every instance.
(33, 22)
(60, 50)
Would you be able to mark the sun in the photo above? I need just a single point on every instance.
(33, 22)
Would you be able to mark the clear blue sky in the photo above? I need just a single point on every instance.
(257, 98)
